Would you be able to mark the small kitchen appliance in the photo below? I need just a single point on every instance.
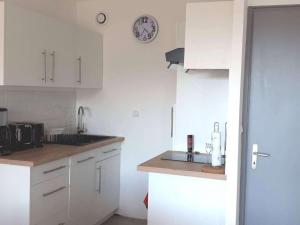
(3, 116)
(25, 135)
(4, 140)
(38, 133)
(4, 133)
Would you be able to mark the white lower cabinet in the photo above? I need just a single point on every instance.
(49, 198)
(107, 186)
(82, 187)
(80, 190)
(94, 185)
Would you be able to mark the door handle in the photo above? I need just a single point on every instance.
(264, 155)
(256, 154)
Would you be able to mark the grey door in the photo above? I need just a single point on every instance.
(272, 190)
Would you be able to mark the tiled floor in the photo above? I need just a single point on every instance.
(119, 220)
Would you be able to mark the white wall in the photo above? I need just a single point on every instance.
(54, 107)
(202, 99)
(62, 9)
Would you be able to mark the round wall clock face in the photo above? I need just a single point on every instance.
(101, 18)
(145, 28)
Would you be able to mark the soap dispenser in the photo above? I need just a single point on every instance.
(216, 157)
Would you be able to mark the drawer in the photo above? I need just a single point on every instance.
(49, 171)
(49, 198)
(57, 219)
(108, 151)
(83, 157)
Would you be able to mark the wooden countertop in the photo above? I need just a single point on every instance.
(157, 165)
(49, 153)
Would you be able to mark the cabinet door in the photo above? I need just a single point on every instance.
(208, 35)
(60, 45)
(82, 189)
(25, 35)
(49, 198)
(107, 186)
(88, 59)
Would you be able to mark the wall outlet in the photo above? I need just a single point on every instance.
(135, 114)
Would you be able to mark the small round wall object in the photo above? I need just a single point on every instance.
(101, 18)
(145, 28)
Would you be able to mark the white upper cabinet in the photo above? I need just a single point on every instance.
(89, 72)
(208, 35)
(38, 50)
(25, 41)
(60, 51)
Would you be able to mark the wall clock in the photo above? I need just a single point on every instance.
(145, 28)
(101, 18)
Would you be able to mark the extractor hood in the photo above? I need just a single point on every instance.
(175, 56)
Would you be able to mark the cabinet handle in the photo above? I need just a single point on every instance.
(61, 224)
(79, 69)
(172, 122)
(84, 160)
(100, 175)
(55, 191)
(53, 170)
(53, 54)
(109, 151)
(44, 53)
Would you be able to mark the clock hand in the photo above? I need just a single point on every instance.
(146, 31)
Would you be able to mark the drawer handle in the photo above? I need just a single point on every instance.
(53, 170)
(84, 160)
(113, 150)
(61, 224)
(53, 192)
(100, 176)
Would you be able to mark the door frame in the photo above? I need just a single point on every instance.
(246, 104)
(245, 113)
(235, 105)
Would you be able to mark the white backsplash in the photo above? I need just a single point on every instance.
(55, 108)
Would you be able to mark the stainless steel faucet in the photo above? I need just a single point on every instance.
(80, 127)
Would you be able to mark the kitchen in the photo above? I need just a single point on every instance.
(130, 94)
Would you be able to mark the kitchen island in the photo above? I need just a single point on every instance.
(184, 193)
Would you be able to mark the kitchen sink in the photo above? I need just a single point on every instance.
(76, 139)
